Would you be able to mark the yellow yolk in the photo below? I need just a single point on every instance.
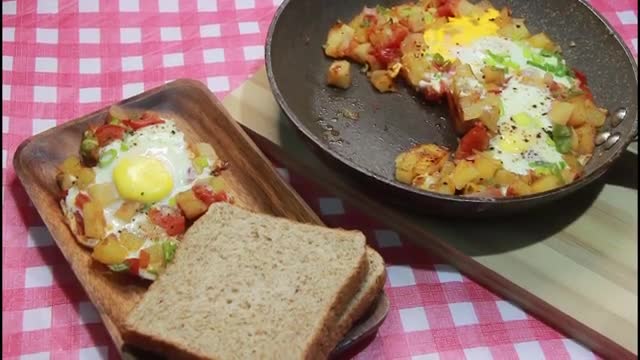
(142, 179)
(460, 31)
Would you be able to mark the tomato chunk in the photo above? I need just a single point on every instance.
(168, 218)
(583, 83)
(81, 199)
(206, 194)
(386, 42)
(477, 139)
(108, 133)
(145, 258)
(446, 8)
(146, 119)
(133, 265)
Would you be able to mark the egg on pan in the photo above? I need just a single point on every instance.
(135, 188)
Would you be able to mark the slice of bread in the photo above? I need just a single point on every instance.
(369, 290)
(246, 285)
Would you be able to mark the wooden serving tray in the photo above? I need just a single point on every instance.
(572, 264)
(200, 116)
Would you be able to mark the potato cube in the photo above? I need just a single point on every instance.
(382, 81)
(131, 241)
(127, 210)
(516, 30)
(86, 176)
(504, 177)
(339, 40)
(94, 222)
(464, 173)
(205, 150)
(109, 251)
(105, 193)
(71, 166)
(339, 74)
(542, 41)
(560, 112)
(586, 139)
(65, 180)
(486, 165)
(546, 183)
(191, 206)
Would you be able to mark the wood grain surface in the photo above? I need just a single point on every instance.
(200, 116)
(572, 264)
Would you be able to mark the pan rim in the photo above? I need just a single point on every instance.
(565, 189)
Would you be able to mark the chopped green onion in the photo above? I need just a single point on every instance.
(124, 146)
(168, 250)
(428, 18)
(88, 144)
(114, 120)
(200, 163)
(107, 157)
(118, 267)
(172, 201)
(562, 138)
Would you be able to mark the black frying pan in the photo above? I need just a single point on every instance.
(390, 123)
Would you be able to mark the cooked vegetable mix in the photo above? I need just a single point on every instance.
(526, 120)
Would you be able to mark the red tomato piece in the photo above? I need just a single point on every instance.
(133, 265)
(387, 56)
(81, 199)
(168, 218)
(107, 133)
(583, 83)
(446, 8)
(386, 42)
(146, 119)
(476, 139)
(144, 259)
(207, 196)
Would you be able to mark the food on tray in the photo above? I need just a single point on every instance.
(135, 187)
(526, 120)
(252, 286)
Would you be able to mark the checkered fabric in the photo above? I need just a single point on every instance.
(62, 59)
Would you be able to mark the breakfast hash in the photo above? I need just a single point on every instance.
(135, 187)
(526, 120)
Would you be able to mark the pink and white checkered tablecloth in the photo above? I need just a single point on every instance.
(62, 59)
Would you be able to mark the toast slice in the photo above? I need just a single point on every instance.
(246, 285)
(369, 290)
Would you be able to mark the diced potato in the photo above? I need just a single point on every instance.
(131, 241)
(191, 206)
(105, 193)
(465, 8)
(572, 162)
(205, 150)
(493, 75)
(65, 180)
(586, 139)
(86, 176)
(109, 251)
(94, 222)
(71, 165)
(218, 184)
(560, 112)
(413, 43)
(516, 30)
(156, 256)
(579, 112)
(339, 74)
(593, 114)
(463, 174)
(575, 141)
(382, 81)
(486, 165)
(520, 188)
(361, 28)
(414, 67)
(127, 210)
(362, 53)
(504, 177)
(546, 183)
(339, 40)
(420, 160)
(542, 41)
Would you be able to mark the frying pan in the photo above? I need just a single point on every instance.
(360, 131)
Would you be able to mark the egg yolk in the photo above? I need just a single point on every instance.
(460, 31)
(142, 179)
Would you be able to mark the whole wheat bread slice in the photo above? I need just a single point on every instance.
(246, 285)
(368, 292)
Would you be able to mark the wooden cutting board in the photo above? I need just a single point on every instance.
(572, 264)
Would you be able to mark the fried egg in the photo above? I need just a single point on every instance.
(149, 166)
